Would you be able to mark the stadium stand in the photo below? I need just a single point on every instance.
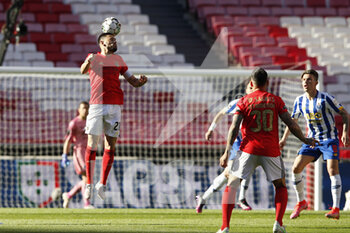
(61, 33)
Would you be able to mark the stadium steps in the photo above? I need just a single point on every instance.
(170, 18)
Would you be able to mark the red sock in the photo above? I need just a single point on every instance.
(107, 163)
(281, 199)
(228, 203)
(90, 157)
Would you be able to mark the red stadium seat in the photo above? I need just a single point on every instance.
(245, 21)
(271, 3)
(47, 18)
(279, 11)
(69, 18)
(231, 31)
(77, 28)
(195, 4)
(48, 47)
(250, 3)
(77, 57)
(287, 42)
(246, 52)
(255, 31)
(207, 11)
(314, 3)
(57, 56)
(71, 48)
(344, 12)
(227, 2)
(294, 3)
(284, 61)
(60, 8)
(85, 39)
(217, 22)
(40, 37)
(260, 61)
(35, 8)
(294, 52)
(268, 21)
(302, 11)
(273, 51)
(239, 41)
(277, 31)
(28, 17)
(63, 38)
(261, 41)
(55, 27)
(237, 10)
(322, 11)
(339, 3)
(300, 58)
(259, 11)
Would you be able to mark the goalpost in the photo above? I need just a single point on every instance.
(162, 159)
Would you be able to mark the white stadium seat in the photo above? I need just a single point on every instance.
(290, 20)
(129, 9)
(163, 49)
(138, 19)
(144, 29)
(296, 31)
(335, 22)
(131, 39)
(91, 18)
(313, 21)
(107, 8)
(155, 39)
(139, 49)
(79, 8)
(34, 56)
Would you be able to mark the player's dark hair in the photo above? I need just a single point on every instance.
(259, 77)
(102, 35)
(312, 72)
(84, 102)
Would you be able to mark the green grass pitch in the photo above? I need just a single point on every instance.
(161, 220)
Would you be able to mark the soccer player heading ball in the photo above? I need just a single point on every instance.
(106, 99)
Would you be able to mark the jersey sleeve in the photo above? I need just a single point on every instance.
(230, 109)
(296, 110)
(281, 105)
(122, 65)
(333, 104)
(70, 129)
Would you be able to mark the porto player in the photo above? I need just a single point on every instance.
(106, 99)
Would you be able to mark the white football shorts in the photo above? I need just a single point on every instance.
(104, 118)
(245, 164)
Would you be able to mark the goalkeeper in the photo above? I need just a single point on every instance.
(221, 179)
(77, 136)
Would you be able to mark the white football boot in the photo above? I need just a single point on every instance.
(101, 189)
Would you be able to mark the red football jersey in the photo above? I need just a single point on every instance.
(260, 111)
(104, 79)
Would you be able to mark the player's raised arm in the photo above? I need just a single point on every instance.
(295, 129)
(135, 82)
(215, 121)
(84, 68)
(345, 136)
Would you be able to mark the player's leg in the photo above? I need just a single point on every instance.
(306, 156)
(217, 184)
(336, 187)
(243, 166)
(275, 172)
(242, 194)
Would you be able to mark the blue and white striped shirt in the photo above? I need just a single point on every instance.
(319, 115)
(230, 110)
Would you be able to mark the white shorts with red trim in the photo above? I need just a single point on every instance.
(104, 119)
(245, 164)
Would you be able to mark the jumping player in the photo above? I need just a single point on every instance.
(106, 99)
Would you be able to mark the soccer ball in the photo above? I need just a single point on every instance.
(111, 25)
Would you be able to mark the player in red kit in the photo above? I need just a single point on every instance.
(104, 117)
(76, 135)
(258, 112)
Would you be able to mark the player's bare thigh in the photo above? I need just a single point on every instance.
(300, 162)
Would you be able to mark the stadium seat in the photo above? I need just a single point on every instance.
(71, 48)
(55, 27)
(263, 41)
(129, 9)
(279, 11)
(323, 11)
(131, 39)
(255, 31)
(227, 3)
(107, 9)
(59, 7)
(231, 32)
(271, 3)
(218, 22)
(239, 41)
(302, 12)
(23, 47)
(88, 18)
(341, 32)
(273, 51)
(285, 42)
(208, 11)
(245, 21)
(294, 3)
(47, 18)
(277, 31)
(260, 61)
(42, 64)
(143, 29)
(259, 11)
(237, 10)
(77, 28)
(137, 19)
(163, 49)
(268, 21)
(315, 3)
(313, 21)
(33, 56)
(321, 32)
(140, 49)
(56, 56)
(297, 31)
(250, 3)
(35, 27)
(83, 38)
(28, 17)
(290, 21)
(246, 52)
(69, 18)
(150, 40)
(173, 58)
(335, 22)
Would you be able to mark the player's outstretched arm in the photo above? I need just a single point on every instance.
(216, 120)
(285, 136)
(295, 129)
(345, 136)
(134, 81)
(232, 135)
(84, 68)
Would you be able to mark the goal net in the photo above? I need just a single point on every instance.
(162, 158)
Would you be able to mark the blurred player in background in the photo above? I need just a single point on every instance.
(221, 179)
(76, 135)
(259, 112)
(318, 108)
(106, 99)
